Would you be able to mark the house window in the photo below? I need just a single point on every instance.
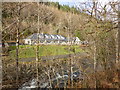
(28, 42)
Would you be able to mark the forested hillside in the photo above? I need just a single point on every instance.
(53, 20)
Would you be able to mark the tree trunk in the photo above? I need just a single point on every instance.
(95, 62)
(118, 36)
(17, 45)
(37, 50)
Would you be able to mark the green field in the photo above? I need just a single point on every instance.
(27, 51)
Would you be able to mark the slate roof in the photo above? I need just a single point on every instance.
(46, 37)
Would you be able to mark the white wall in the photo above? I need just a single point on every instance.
(28, 41)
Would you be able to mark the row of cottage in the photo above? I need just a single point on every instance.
(50, 39)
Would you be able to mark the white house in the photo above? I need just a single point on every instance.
(50, 39)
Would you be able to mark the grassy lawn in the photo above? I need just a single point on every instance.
(27, 51)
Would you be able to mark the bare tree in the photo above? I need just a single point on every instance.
(115, 8)
(37, 48)
(17, 44)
